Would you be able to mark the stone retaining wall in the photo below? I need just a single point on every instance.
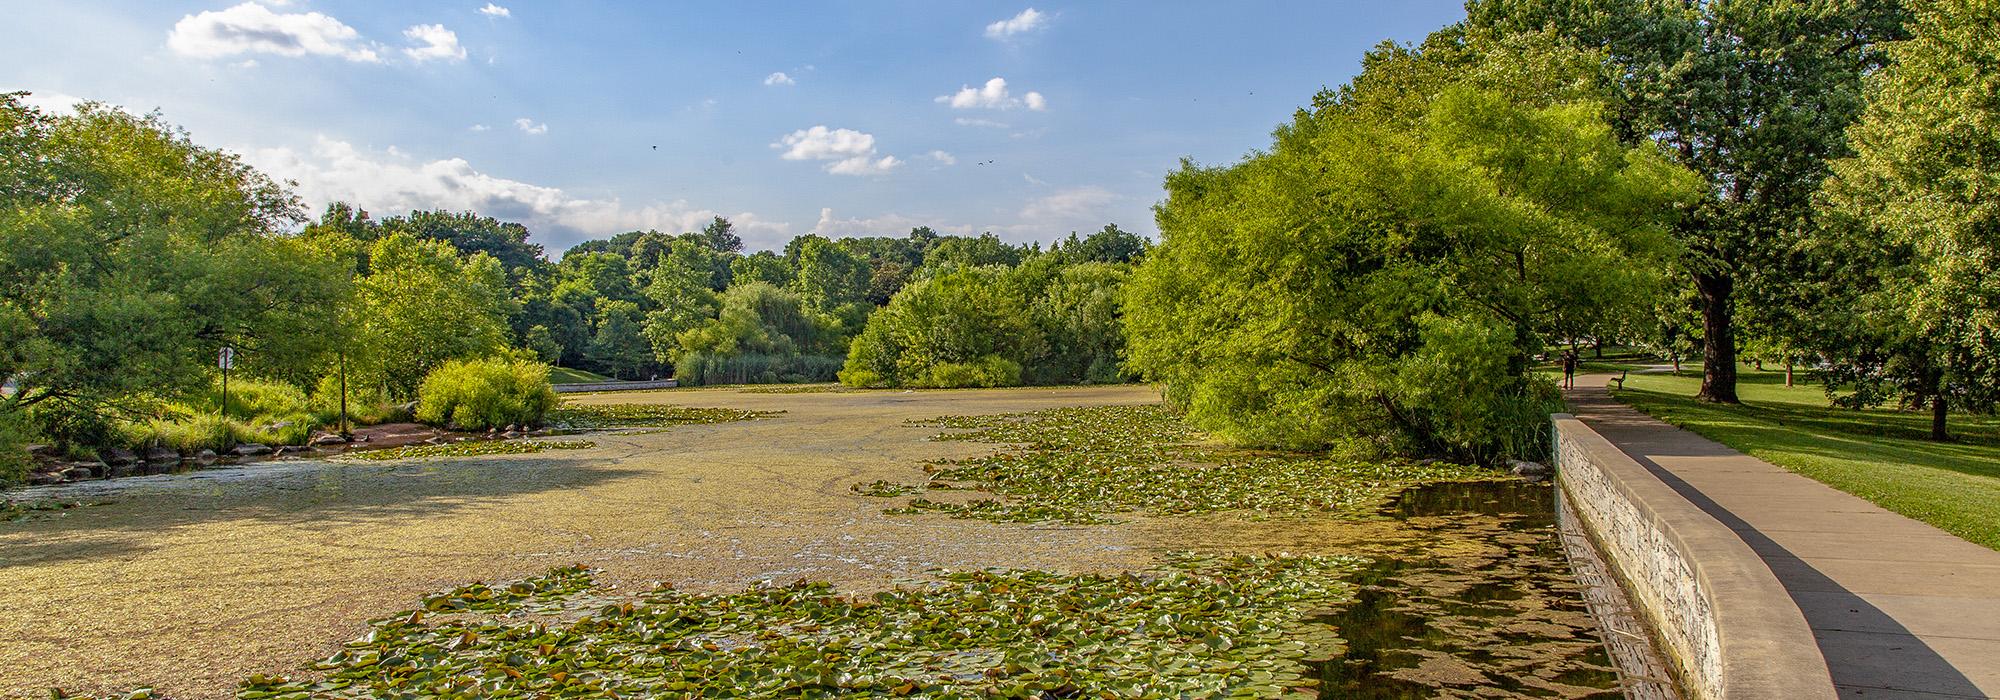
(1726, 625)
(616, 386)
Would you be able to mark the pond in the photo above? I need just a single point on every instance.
(1506, 621)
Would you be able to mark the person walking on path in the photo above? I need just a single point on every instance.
(1569, 369)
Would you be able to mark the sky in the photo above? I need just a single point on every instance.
(587, 119)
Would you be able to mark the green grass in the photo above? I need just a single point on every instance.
(1879, 455)
(565, 375)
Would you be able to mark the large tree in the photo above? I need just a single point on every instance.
(1752, 95)
(1387, 280)
(1924, 185)
(129, 256)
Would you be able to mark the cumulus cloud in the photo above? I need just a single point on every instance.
(480, 127)
(942, 157)
(993, 95)
(52, 102)
(1080, 204)
(891, 224)
(528, 126)
(1029, 20)
(864, 165)
(434, 42)
(852, 152)
(983, 123)
(388, 184)
(253, 28)
(492, 10)
(779, 78)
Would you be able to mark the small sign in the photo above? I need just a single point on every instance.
(227, 359)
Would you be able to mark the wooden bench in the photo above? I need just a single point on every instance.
(1619, 380)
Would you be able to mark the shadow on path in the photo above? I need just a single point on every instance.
(1868, 651)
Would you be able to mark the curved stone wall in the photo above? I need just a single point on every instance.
(1721, 617)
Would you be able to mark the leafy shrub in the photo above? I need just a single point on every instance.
(487, 393)
(988, 371)
(252, 399)
(365, 406)
(14, 436)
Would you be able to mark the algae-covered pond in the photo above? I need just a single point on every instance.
(1041, 543)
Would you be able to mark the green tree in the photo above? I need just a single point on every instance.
(420, 305)
(620, 346)
(761, 266)
(1386, 284)
(829, 276)
(129, 256)
(1922, 323)
(965, 327)
(720, 236)
(1752, 95)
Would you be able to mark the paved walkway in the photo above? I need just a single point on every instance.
(1901, 609)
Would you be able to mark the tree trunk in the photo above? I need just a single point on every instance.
(1937, 418)
(1718, 352)
(1599, 349)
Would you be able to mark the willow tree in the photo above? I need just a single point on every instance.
(1387, 280)
(1924, 185)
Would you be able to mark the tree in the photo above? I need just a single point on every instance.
(1385, 283)
(470, 233)
(959, 251)
(129, 256)
(620, 346)
(420, 305)
(1111, 244)
(959, 328)
(761, 266)
(720, 236)
(1753, 96)
(1922, 324)
(829, 276)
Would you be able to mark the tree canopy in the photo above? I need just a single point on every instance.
(1374, 280)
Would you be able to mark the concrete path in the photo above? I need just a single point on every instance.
(1901, 609)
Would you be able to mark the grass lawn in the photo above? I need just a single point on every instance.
(1880, 455)
(565, 375)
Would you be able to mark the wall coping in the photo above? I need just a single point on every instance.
(615, 386)
(1767, 649)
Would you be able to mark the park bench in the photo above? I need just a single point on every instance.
(1620, 379)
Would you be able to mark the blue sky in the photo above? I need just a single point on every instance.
(586, 119)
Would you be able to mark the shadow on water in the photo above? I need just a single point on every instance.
(1485, 603)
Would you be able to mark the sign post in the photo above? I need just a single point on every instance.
(225, 360)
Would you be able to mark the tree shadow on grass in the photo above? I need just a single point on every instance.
(331, 494)
(1831, 433)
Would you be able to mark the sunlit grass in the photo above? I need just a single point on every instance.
(1879, 455)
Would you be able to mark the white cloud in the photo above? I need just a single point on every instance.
(1071, 206)
(1036, 181)
(434, 42)
(1029, 20)
(853, 152)
(245, 64)
(985, 123)
(52, 102)
(253, 28)
(480, 127)
(492, 10)
(387, 185)
(993, 95)
(529, 126)
(864, 165)
(779, 78)
(891, 224)
(942, 157)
